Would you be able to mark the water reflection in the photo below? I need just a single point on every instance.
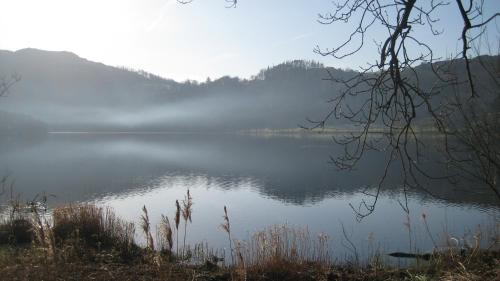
(385, 230)
(77, 167)
(263, 181)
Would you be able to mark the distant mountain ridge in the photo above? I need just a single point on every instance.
(71, 93)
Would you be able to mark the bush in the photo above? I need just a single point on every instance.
(17, 231)
(93, 227)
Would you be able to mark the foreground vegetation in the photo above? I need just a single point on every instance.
(87, 242)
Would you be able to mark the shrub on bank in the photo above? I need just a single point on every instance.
(90, 228)
(97, 227)
(17, 231)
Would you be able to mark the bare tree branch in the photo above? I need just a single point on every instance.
(389, 94)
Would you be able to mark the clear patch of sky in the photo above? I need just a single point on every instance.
(203, 38)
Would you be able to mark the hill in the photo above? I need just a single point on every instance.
(71, 93)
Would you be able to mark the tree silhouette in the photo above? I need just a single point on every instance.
(392, 94)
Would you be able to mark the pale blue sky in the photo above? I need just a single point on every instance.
(197, 40)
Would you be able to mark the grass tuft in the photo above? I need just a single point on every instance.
(88, 226)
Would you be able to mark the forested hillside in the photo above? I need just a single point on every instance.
(71, 93)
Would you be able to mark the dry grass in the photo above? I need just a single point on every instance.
(226, 226)
(95, 226)
(283, 252)
(87, 242)
(187, 211)
(17, 231)
(15, 224)
(283, 243)
(88, 231)
(26, 264)
(146, 228)
(164, 235)
(177, 222)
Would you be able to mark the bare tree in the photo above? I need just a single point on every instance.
(389, 93)
(474, 128)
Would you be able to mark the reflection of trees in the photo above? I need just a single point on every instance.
(289, 170)
(395, 94)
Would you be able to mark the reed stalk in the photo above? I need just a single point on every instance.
(177, 222)
(187, 210)
(226, 226)
(146, 227)
(166, 232)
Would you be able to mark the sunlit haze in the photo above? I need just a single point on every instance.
(195, 41)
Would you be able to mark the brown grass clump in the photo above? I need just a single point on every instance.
(17, 231)
(282, 252)
(15, 225)
(165, 235)
(284, 243)
(93, 227)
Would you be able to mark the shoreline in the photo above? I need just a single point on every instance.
(89, 242)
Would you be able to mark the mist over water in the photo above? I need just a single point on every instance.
(262, 180)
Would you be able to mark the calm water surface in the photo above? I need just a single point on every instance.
(263, 181)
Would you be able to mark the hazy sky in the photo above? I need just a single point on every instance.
(193, 41)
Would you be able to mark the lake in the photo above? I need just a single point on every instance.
(262, 180)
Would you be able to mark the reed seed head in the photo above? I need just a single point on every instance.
(187, 207)
(177, 214)
(167, 231)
